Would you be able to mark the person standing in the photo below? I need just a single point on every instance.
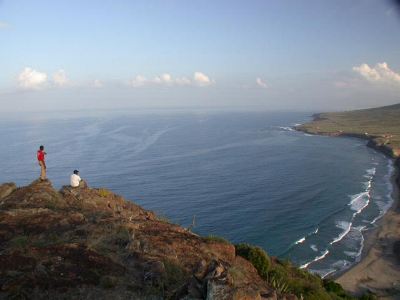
(42, 163)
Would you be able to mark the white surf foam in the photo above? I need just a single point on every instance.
(314, 248)
(346, 226)
(380, 201)
(371, 171)
(358, 256)
(352, 254)
(300, 240)
(324, 273)
(286, 128)
(322, 256)
(359, 202)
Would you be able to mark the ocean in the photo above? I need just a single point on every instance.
(245, 176)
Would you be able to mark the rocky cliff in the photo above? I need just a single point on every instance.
(88, 243)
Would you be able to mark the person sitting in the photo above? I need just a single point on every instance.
(75, 179)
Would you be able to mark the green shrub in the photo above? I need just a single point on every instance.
(173, 278)
(108, 282)
(122, 237)
(215, 238)
(278, 283)
(104, 193)
(368, 296)
(20, 241)
(163, 219)
(284, 277)
(236, 273)
(334, 287)
(257, 256)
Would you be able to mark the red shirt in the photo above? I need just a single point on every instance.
(40, 155)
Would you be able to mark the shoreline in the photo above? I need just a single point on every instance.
(377, 271)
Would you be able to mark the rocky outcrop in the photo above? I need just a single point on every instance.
(6, 189)
(84, 243)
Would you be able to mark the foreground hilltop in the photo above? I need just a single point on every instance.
(87, 243)
(379, 125)
(92, 244)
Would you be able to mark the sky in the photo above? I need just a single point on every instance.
(297, 55)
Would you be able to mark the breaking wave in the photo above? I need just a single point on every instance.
(322, 256)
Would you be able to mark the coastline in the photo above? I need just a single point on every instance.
(378, 270)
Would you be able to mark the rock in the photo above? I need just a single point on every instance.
(153, 273)
(271, 295)
(288, 297)
(217, 291)
(217, 270)
(6, 189)
(195, 289)
(200, 271)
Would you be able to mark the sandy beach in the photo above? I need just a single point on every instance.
(379, 270)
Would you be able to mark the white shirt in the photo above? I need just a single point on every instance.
(75, 179)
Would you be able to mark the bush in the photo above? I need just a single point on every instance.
(163, 219)
(215, 238)
(334, 287)
(284, 277)
(20, 241)
(368, 296)
(108, 282)
(104, 193)
(256, 256)
(122, 237)
(173, 279)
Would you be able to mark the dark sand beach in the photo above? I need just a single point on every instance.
(378, 269)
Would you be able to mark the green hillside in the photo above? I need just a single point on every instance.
(381, 125)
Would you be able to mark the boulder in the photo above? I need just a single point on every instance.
(6, 189)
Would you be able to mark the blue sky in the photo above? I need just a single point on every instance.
(293, 55)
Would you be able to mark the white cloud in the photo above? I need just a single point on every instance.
(261, 83)
(163, 79)
(166, 79)
(138, 81)
(60, 78)
(97, 83)
(201, 79)
(32, 79)
(381, 73)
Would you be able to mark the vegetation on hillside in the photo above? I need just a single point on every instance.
(287, 278)
(380, 124)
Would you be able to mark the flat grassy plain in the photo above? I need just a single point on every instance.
(381, 125)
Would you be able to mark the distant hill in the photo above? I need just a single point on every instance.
(380, 125)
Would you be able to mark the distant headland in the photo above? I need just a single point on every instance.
(381, 126)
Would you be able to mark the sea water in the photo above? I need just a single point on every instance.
(245, 176)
